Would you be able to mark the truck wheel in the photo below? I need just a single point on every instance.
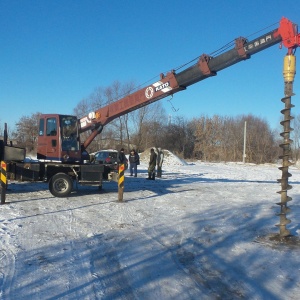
(61, 185)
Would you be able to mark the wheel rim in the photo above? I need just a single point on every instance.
(60, 185)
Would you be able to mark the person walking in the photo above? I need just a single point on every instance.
(134, 161)
(160, 159)
(152, 165)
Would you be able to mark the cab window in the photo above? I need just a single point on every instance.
(41, 128)
(51, 128)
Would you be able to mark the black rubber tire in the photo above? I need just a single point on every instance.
(61, 185)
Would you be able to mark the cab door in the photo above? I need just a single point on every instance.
(48, 140)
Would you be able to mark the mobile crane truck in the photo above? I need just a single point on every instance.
(62, 156)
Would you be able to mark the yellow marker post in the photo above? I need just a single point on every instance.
(3, 181)
(121, 182)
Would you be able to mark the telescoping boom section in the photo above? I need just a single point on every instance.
(169, 84)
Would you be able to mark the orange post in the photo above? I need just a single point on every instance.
(3, 181)
(121, 182)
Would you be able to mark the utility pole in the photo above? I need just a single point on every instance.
(245, 131)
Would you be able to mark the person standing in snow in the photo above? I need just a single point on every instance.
(122, 157)
(134, 161)
(159, 161)
(152, 165)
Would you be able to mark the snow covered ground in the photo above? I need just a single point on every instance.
(200, 232)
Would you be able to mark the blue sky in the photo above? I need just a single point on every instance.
(56, 52)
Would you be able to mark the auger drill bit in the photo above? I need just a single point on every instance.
(289, 74)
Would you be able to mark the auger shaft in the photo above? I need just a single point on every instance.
(289, 71)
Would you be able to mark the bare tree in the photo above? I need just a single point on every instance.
(208, 138)
(261, 143)
(121, 123)
(295, 134)
(221, 138)
(146, 125)
(116, 132)
(178, 137)
(27, 131)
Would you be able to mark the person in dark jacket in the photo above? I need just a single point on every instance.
(122, 157)
(160, 159)
(152, 165)
(134, 161)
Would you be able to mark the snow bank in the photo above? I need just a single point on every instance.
(170, 159)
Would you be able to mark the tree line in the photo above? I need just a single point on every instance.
(209, 138)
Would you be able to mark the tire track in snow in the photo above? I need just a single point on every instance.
(110, 280)
(7, 261)
(201, 275)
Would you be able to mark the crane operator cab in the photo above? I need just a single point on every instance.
(58, 138)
